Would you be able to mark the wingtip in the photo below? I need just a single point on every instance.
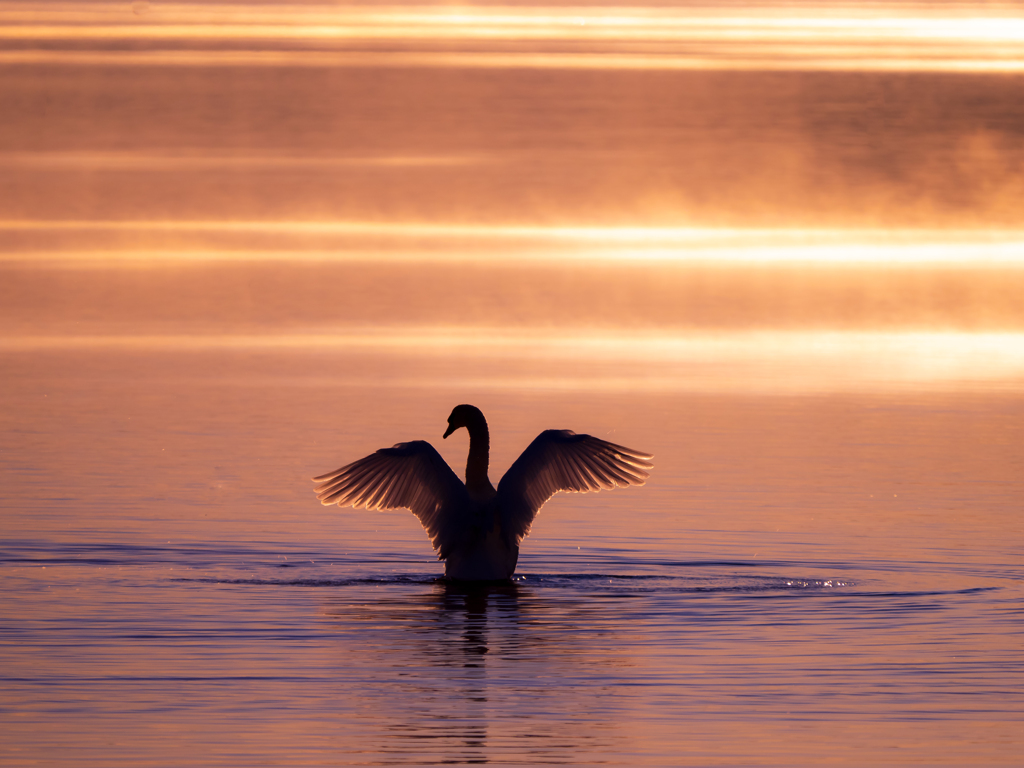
(640, 455)
(632, 453)
(639, 462)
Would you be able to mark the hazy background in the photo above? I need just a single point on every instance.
(267, 168)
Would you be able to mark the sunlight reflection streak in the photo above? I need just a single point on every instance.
(925, 247)
(783, 361)
(747, 30)
(900, 37)
(987, 61)
(176, 161)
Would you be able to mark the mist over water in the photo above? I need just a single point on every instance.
(458, 145)
(778, 247)
(736, 115)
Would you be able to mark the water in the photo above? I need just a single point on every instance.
(805, 578)
(779, 247)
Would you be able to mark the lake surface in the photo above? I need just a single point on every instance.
(805, 578)
(779, 247)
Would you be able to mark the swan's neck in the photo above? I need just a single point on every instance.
(479, 457)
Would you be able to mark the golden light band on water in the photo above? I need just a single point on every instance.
(789, 31)
(897, 37)
(857, 62)
(177, 161)
(924, 247)
(826, 23)
(761, 361)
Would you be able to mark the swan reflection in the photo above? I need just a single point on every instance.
(472, 672)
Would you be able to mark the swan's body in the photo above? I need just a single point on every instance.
(475, 528)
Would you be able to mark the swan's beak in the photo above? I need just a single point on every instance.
(448, 431)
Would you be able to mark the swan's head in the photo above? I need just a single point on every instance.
(464, 416)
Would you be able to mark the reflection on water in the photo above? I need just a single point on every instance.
(405, 242)
(897, 115)
(228, 654)
(473, 675)
(489, 360)
(900, 36)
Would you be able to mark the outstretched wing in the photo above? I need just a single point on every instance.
(409, 476)
(561, 460)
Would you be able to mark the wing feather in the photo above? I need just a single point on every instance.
(566, 471)
(560, 460)
(602, 477)
(577, 475)
(410, 476)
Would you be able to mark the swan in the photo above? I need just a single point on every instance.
(475, 528)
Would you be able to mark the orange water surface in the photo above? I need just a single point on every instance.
(779, 246)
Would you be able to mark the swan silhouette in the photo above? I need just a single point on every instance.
(476, 529)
